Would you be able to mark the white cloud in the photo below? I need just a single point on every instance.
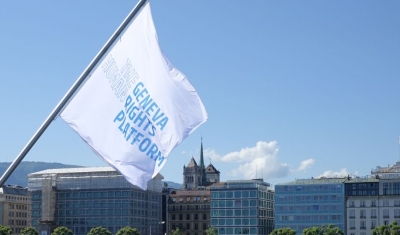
(258, 161)
(306, 164)
(342, 173)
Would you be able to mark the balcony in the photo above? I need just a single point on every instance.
(373, 216)
(352, 228)
(363, 227)
(363, 216)
(352, 217)
(386, 216)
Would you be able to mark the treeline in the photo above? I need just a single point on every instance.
(315, 230)
(66, 231)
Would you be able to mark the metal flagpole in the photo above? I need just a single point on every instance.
(70, 92)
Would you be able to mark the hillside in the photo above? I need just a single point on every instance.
(20, 175)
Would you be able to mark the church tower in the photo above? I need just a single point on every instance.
(203, 176)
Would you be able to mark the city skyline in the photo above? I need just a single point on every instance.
(295, 90)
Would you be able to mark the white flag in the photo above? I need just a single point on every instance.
(135, 107)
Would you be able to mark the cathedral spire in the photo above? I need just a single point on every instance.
(203, 178)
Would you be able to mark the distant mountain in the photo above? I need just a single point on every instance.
(173, 185)
(20, 175)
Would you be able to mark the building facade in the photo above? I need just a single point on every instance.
(362, 200)
(242, 207)
(189, 210)
(83, 198)
(14, 208)
(310, 202)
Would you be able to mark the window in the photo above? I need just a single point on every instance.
(362, 214)
(396, 213)
(386, 203)
(373, 224)
(352, 214)
(386, 213)
(352, 224)
(362, 203)
(362, 224)
(373, 213)
(351, 204)
(373, 203)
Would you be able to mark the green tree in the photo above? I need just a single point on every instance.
(29, 231)
(62, 231)
(212, 231)
(283, 231)
(128, 231)
(99, 231)
(4, 230)
(392, 229)
(333, 230)
(313, 230)
(381, 230)
(329, 230)
(177, 231)
(165, 184)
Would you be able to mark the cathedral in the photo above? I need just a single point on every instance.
(195, 175)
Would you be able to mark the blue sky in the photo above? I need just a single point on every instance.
(293, 89)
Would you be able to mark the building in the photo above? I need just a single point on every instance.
(312, 202)
(14, 208)
(242, 207)
(362, 200)
(189, 210)
(387, 172)
(83, 198)
(198, 175)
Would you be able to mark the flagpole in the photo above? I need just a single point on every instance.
(70, 92)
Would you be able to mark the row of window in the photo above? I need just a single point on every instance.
(196, 226)
(188, 199)
(310, 208)
(236, 212)
(17, 207)
(309, 198)
(109, 194)
(188, 217)
(309, 188)
(236, 221)
(17, 214)
(110, 212)
(372, 203)
(189, 207)
(234, 194)
(234, 203)
(373, 213)
(17, 222)
(313, 218)
(16, 198)
(103, 204)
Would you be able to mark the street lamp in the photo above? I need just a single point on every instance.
(161, 222)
